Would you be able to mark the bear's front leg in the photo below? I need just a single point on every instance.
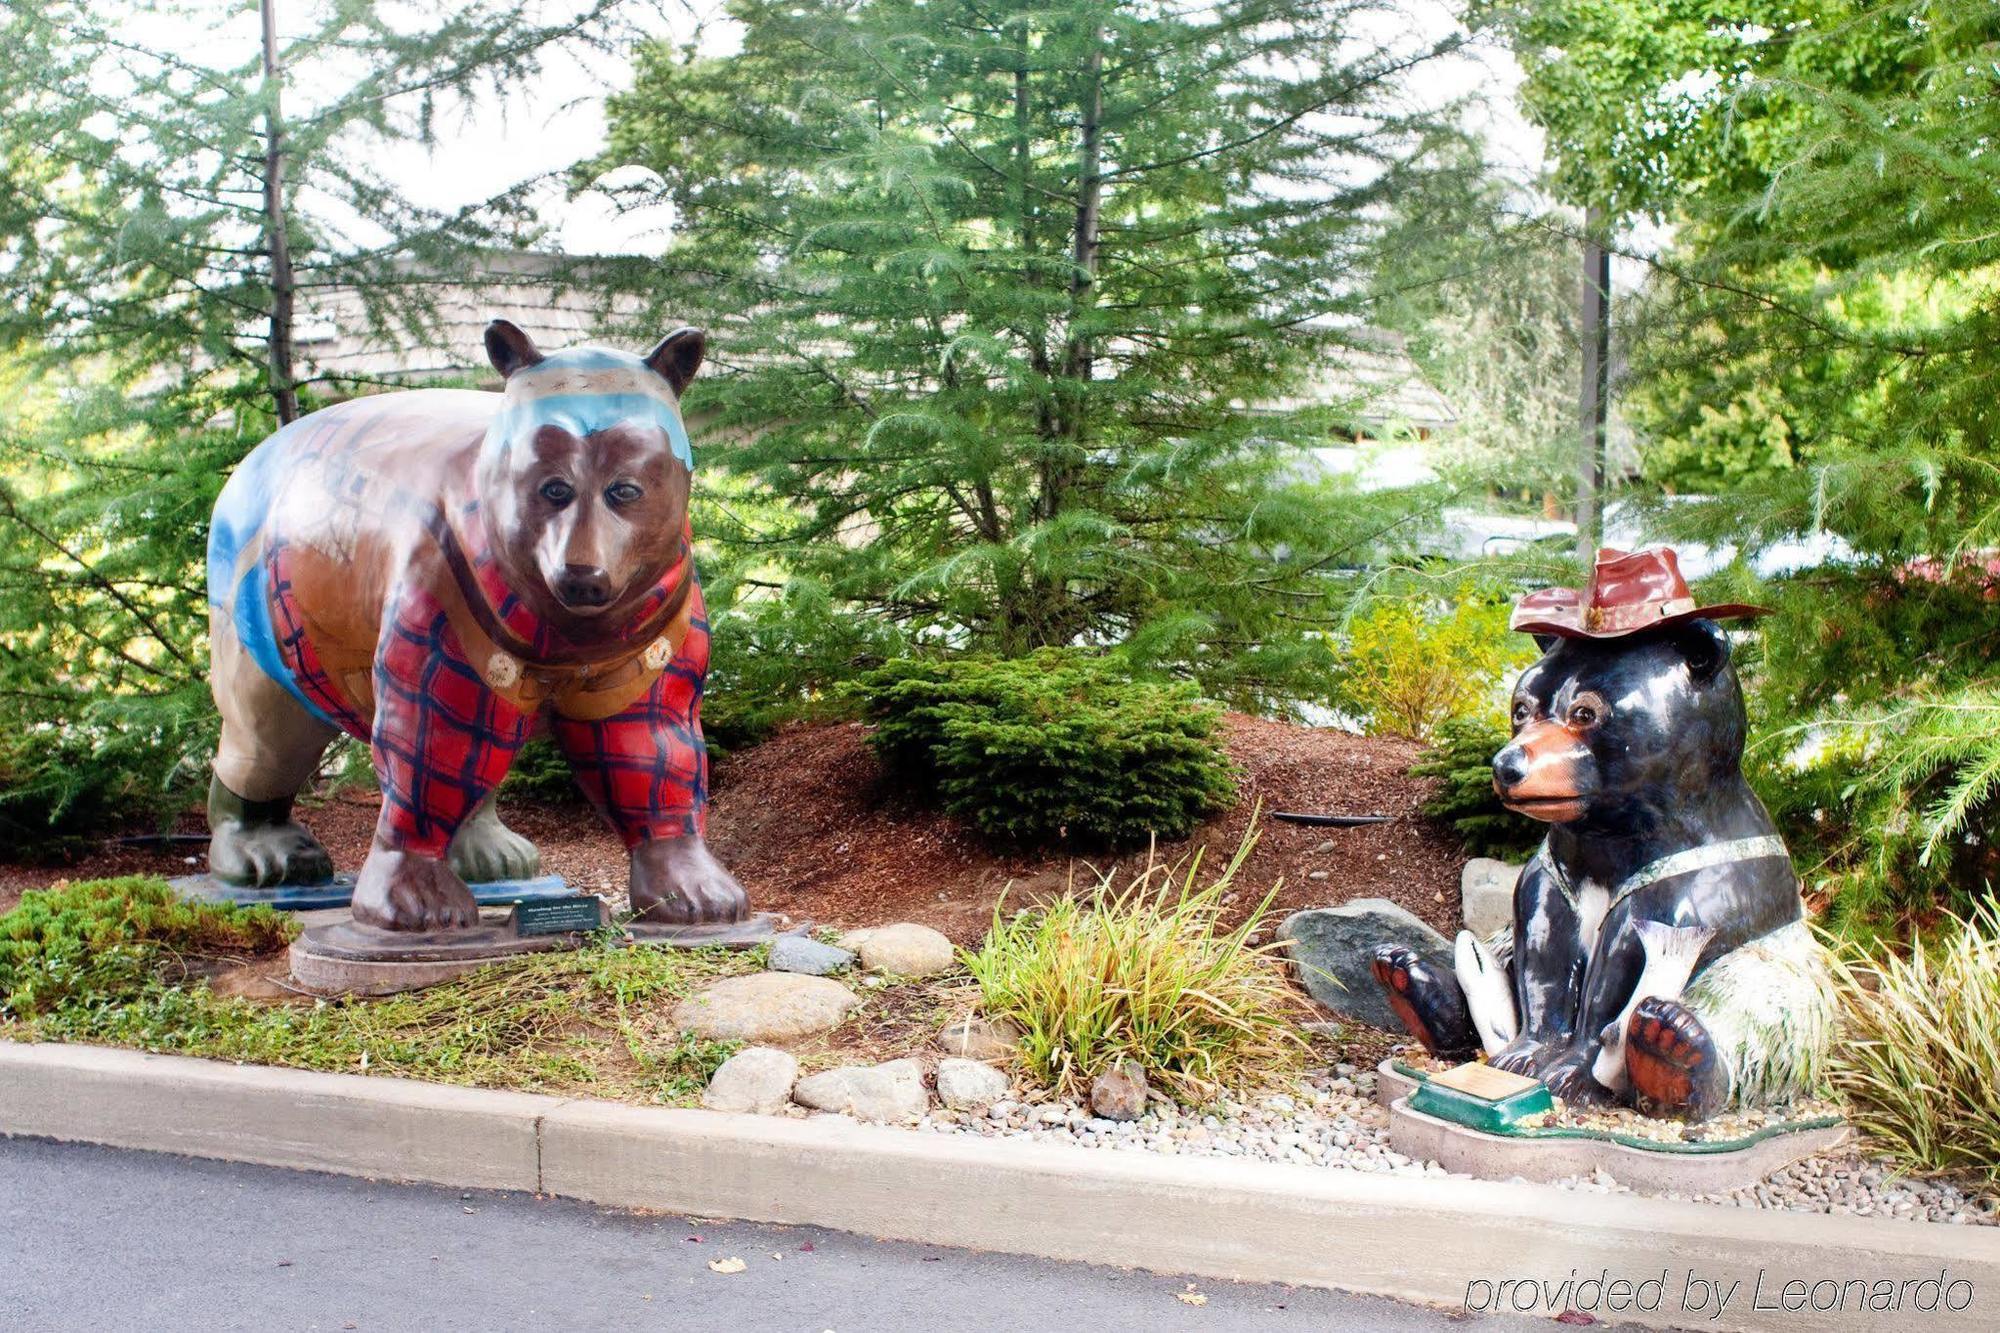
(679, 882)
(646, 771)
(442, 741)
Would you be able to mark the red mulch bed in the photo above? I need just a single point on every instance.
(808, 824)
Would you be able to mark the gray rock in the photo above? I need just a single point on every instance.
(979, 1038)
(805, 955)
(765, 1006)
(1119, 1093)
(1333, 948)
(968, 1085)
(757, 1080)
(1486, 888)
(903, 950)
(891, 1092)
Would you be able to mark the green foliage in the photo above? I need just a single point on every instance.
(1056, 747)
(541, 772)
(1404, 668)
(1002, 292)
(108, 940)
(1461, 758)
(1148, 972)
(785, 658)
(120, 962)
(1917, 1063)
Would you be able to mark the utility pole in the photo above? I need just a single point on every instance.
(1595, 326)
(276, 241)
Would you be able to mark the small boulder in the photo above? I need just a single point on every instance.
(979, 1038)
(1119, 1093)
(891, 1092)
(807, 956)
(968, 1085)
(1486, 889)
(1333, 951)
(765, 1006)
(903, 950)
(757, 1080)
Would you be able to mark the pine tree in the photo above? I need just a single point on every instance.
(169, 192)
(1014, 304)
(1821, 342)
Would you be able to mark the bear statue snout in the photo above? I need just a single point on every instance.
(583, 586)
(1510, 768)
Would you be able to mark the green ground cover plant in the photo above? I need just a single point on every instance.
(1461, 758)
(126, 963)
(1919, 1063)
(1058, 747)
(1150, 972)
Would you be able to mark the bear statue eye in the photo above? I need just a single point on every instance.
(1523, 710)
(558, 492)
(1587, 711)
(622, 493)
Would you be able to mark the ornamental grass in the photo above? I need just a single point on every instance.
(1919, 1058)
(1148, 971)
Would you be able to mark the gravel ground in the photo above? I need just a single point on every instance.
(1334, 1121)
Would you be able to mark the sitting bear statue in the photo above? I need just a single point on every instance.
(1659, 953)
(444, 573)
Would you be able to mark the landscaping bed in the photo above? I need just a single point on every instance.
(809, 824)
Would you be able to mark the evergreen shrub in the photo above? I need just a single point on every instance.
(1057, 747)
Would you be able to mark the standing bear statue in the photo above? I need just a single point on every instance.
(445, 573)
(1659, 953)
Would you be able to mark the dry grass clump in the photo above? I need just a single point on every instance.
(1150, 972)
(1919, 1059)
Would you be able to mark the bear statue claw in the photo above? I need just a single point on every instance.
(407, 891)
(263, 856)
(1523, 1055)
(678, 882)
(1570, 1079)
(485, 850)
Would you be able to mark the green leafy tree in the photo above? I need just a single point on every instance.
(1006, 295)
(1821, 341)
(169, 193)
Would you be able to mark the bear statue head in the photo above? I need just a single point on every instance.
(1607, 728)
(585, 471)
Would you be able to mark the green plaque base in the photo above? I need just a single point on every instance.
(1462, 1108)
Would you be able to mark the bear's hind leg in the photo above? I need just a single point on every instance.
(484, 849)
(1674, 1064)
(1429, 1000)
(270, 748)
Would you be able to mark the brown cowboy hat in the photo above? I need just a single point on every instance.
(1629, 591)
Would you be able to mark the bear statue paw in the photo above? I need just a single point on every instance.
(678, 882)
(1428, 1000)
(407, 891)
(1570, 1079)
(264, 856)
(1523, 1055)
(486, 850)
(1672, 1060)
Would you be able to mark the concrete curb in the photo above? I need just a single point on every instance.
(1447, 1242)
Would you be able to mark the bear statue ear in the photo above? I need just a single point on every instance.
(678, 356)
(1547, 643)
(509, 349)
(1705, 646)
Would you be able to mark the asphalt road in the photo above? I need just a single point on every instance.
(97, 1239)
